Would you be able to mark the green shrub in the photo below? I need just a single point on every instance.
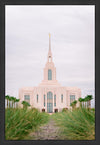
(93, 109)
(64, 109)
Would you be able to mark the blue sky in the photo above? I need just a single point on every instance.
(72, 31)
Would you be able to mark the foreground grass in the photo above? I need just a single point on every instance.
(19, 122)
(76, 125)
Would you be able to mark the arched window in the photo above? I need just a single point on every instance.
(54, 100)
(44, 100)
(49, 74)
(37, 98)
(62, 98)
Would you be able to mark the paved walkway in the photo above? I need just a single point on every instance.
(48, 131)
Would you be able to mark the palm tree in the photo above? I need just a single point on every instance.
(85, 100)
(73, 104)
(80, 100)
(12, 99)
(7, 98)
(89, 98)
(25, 104)
(17, 100)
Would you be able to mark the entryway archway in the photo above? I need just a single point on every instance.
(49, 102)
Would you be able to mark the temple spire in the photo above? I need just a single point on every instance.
(49, 42)
(49, 52)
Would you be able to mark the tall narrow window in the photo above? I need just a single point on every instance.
(62, 98)
(27, 98)
(54, 100)
(49, 102)
(44, 100)
(37, 98)
(72, 98)
(49, 74)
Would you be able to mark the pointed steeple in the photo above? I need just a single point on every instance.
(49, 42)
(49, 70)
(49, 52)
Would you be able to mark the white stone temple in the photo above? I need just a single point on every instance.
(49, 95)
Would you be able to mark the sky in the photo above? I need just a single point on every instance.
(72, 31)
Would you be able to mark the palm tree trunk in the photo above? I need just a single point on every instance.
(89, 104)
(7, 103)
(85, 104)
(12, 105)
(80, 104)
(17, 104)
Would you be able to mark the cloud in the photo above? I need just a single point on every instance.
(72, 43)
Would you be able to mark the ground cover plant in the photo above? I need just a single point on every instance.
(78, 124)
(19, 122)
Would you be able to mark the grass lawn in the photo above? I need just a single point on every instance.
(20, 122)
(76, 125)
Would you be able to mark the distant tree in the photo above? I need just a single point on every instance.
(10, 102)
(17, 100)
(88, 99)
(14, 101)
(85, 100)
(25, 104)
(64, 109)
(73, 104)
(80, 100)
(7, 98)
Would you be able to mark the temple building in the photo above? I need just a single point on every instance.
(49, 95)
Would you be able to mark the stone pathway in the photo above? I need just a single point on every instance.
(48, 131)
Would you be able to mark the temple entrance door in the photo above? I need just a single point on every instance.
(49, 102)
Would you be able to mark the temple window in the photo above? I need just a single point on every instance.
(37, 98)
(62, 98)
(27, 98)
(44, 100)
(54, 100)
(49, 74)
(72, 98)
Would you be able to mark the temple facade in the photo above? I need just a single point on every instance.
(49, 95)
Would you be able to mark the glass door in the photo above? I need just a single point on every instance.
(49, 102)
